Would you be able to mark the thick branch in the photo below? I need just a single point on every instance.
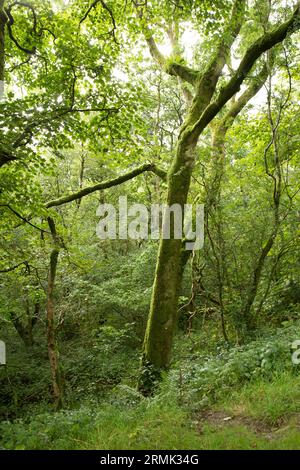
(260, 46)
(173, 34)
(207, 83)
(171, 67)
(228, 37)
(107, 184)
(182, 71)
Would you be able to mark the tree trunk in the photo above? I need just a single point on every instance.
(25, 329)
(3, 21)
(56, 373)
(249, 321)
(168, 277)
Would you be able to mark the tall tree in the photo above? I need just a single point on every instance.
(207, 102)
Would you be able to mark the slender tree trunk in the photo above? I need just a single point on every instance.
(214, 216)
(56, 373)
(81, 177)
(276, 177)
(3, 21)
(248, 319)
(23, 330)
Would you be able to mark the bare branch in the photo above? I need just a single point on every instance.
(106, 7)
(7, 206)
(8, 270)
(11, 22)
(20, 64)
(229, 35)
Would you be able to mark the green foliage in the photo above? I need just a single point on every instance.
(211, 377)
(111, 427)
(85, 102)
(127, 420)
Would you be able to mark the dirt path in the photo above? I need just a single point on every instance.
(220, 419)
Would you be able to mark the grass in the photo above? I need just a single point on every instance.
(145, 426)
(153, 424)
(151, 427)
(263, 415)
(241, 438)
(270, 402)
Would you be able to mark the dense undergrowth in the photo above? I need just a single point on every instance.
(217, 397)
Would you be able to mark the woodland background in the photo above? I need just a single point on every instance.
(194, 101)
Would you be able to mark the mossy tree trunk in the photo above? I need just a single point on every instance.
(163, 312)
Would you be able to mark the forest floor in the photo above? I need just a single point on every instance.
(230, 425)
(233, 428)
(214, 397)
